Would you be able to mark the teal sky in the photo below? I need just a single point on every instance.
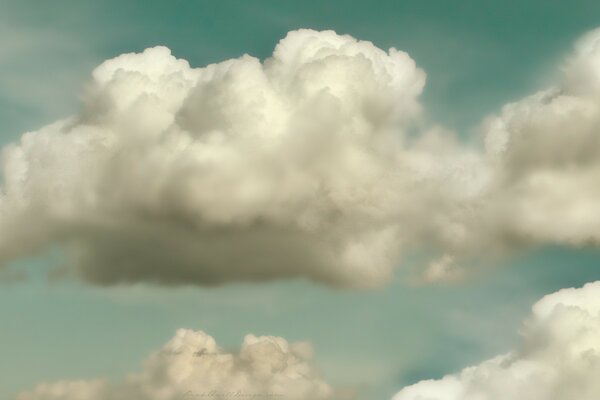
(478, 55)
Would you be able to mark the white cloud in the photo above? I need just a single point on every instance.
(559, 357)
(242, 170)
(298, 166)
(541, 155)
(546, 154)
(191, 365)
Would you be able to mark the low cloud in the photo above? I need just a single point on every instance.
(192, 366)
(239, 171)
(313, 164)
(545, 150)
(558, 358)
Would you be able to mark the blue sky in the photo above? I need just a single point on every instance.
(478, 56)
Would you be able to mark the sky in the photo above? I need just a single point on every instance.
(478, 56)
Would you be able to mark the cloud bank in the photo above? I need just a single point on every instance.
(314, 163)
(559, 357)
(191, 365)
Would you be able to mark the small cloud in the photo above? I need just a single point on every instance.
(557, 359)
(191, 365)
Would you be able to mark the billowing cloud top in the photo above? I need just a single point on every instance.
(192, 366)
(299, 166)
(559, 357)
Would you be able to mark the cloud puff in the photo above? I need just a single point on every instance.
(313, 163)
(191, 365)
(545, 151)
(559, 357)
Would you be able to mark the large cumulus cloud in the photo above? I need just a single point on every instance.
(559, 357)
(314, 163)
(191, 365)
(242, 170)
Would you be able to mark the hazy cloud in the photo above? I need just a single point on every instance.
(192, 366)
